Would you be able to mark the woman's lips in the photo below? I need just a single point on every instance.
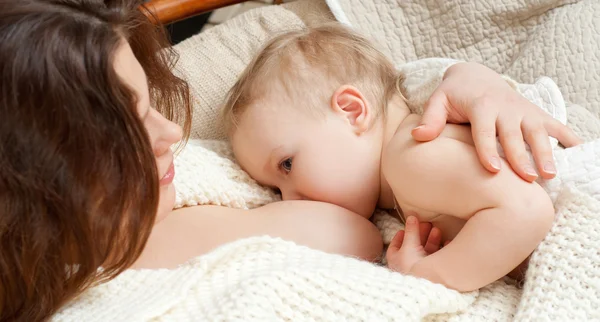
(169, 176)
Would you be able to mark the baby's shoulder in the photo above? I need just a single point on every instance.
(403, 140)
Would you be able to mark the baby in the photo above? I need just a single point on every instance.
(319, 115)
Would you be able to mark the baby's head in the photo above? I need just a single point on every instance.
(306, 116)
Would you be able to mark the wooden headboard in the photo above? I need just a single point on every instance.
(168, 11)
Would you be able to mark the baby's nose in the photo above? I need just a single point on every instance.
(290, 195)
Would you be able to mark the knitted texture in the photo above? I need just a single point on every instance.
(564, 273)
(220, 181)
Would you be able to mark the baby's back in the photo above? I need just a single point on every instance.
(449, 225)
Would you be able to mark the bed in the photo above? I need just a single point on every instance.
(520, 38)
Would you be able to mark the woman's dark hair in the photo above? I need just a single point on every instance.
(78, 181)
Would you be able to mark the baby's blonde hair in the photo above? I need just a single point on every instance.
(318, 59)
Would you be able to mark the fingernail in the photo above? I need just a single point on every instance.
(411, 220)
(495, 163)
(530, 171)
(549, 167)
(418, 127)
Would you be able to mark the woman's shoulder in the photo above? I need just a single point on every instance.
(187, 233)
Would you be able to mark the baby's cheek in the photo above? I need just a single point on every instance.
(333, 186)
(314, 182)
(354, 191)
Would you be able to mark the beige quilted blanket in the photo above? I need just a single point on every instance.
(520, 38)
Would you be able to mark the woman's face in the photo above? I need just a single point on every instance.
(162, 132)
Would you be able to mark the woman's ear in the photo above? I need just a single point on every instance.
(349, 102)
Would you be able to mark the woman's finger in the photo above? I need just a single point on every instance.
(511, 139)
(434, 118)
(483, 128)
(536, 136)
(434, 241)
(562, 133)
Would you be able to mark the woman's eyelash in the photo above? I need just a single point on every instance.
(286, 165)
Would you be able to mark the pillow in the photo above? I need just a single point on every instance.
(212, 60)
(207, 174)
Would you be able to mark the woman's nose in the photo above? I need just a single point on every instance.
(172, 133)
(166, 133)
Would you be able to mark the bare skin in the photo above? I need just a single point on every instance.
(474, 209)
(190, 232)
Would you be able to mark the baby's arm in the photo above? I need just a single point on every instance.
(506, 217)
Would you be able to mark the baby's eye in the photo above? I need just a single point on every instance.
(286, 165)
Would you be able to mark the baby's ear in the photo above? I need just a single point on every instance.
(350, 103)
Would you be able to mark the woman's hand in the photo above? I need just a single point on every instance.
(473, 93)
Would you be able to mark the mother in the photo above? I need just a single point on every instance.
(86, 165)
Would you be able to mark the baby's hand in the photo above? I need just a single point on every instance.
(412, 244)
